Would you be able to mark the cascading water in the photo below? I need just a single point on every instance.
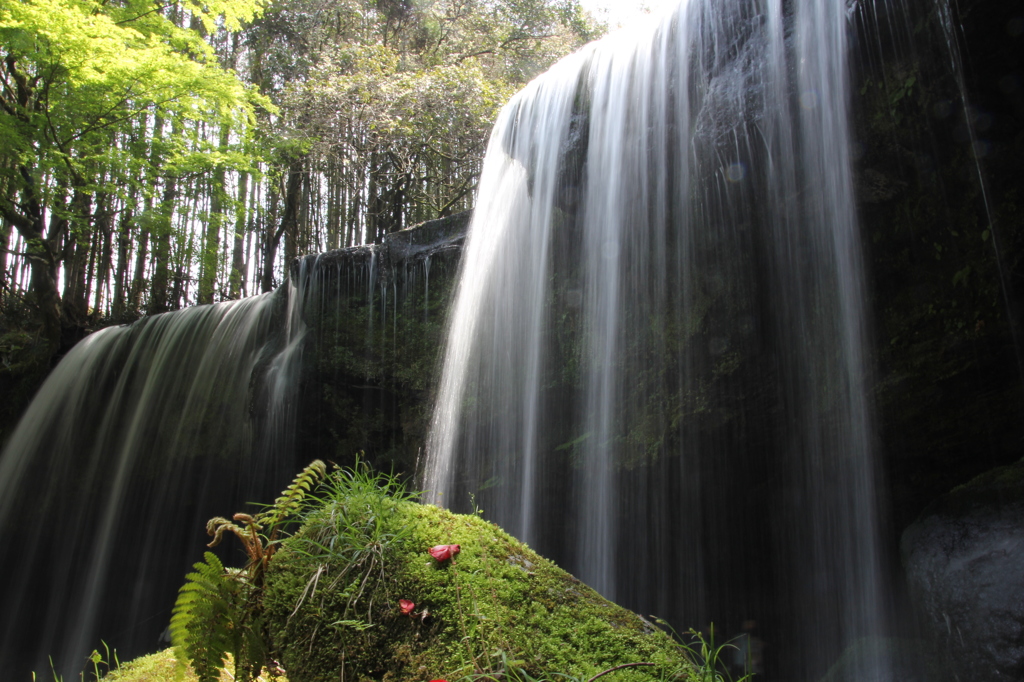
(140, 435)
(655, 372)
(144, 432)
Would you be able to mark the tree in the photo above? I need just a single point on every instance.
(79, 79)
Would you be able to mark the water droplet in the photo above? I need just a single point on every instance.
(735, 172)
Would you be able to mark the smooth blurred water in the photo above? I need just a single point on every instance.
(656, 366)
(140, 435)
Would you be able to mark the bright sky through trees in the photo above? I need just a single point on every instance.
(618, 13)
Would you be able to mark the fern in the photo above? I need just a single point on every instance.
(290, 501)
(258, 547)
(218, 610)
(213, 617)
(201, 619)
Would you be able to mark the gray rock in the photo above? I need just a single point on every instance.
(964, 560)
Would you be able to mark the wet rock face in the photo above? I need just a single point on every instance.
(964, 560)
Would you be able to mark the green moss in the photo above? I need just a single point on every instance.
(497, 604)
(163, 667)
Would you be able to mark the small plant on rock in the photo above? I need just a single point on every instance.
(219, 610)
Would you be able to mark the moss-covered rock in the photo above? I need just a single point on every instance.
(333, 591)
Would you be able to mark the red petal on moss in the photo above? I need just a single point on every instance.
(406, 606)
(444, 552)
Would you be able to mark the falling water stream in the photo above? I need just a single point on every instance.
(655, 372)
(140, 435)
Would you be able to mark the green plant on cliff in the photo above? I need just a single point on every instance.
(219, 610)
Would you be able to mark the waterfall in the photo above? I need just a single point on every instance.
(655, 371)
(140, 435)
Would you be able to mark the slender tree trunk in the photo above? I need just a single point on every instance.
(373, 203)
(293, 204)
(289, 223)
(162, 248)
(5, 239)
(76, 259)
(186, 250)
(216, 219)
(139, 275)
(237, 279)
(161, 237)
(270, 236)
(334, 206)
(124, 250)
(353, 218)
(104, 242)
(43, 256)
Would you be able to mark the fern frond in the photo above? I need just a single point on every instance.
(290, 501)
(202, 619)
(249, 521)
(216, 527)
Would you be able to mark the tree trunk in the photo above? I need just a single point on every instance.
(289, 223)
(215, 220)
(161, 233)
(237, 280)
(292, 218)
(139, 276)
(124, 246)
(43, 256)
(104, 243)
(76, 260)
(162, 248)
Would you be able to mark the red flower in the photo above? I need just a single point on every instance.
(444, 552)
(438, 680)
(406, 606)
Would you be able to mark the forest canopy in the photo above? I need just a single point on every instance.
(155, 155)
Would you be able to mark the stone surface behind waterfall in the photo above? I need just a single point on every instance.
(964, 559)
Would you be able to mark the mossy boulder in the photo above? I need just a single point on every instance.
(333, 590)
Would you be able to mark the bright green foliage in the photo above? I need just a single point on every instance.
(292, 498)
(84, 69)
(260, 547)
(210, 621)
(101, 103)
(219, 611)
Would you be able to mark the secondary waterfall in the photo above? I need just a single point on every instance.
(655, 372)
(144, 432)
(140, 435)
